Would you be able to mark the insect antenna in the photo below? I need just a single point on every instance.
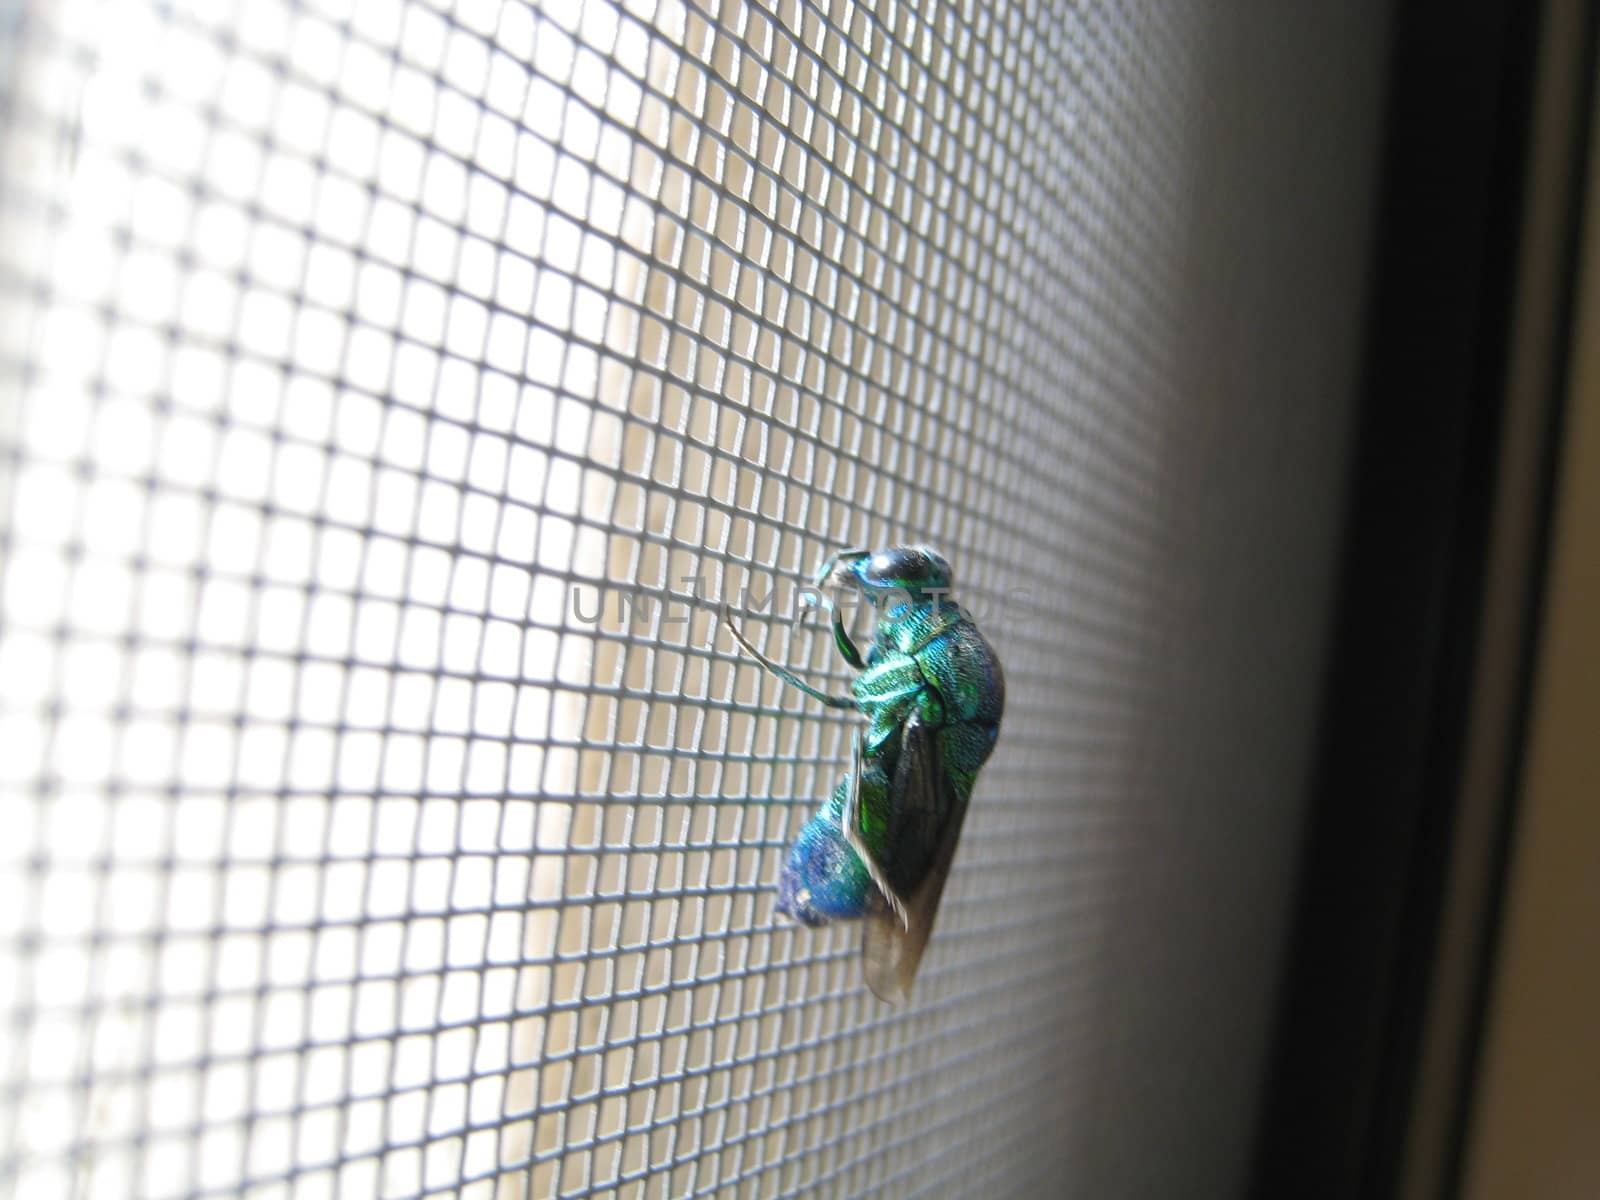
(787, 676)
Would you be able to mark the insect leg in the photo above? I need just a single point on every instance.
(850, 823)
(788, 677)
(841, 639)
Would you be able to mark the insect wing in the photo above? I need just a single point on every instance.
(923, 792)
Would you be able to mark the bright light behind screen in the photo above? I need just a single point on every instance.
(263, 563)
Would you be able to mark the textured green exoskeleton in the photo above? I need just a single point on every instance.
(932, 693)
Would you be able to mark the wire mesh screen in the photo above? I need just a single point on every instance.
(389, 389)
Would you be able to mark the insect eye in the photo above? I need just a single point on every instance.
(893, 568)
(905, 566)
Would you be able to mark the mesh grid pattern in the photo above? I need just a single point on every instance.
(387, 386)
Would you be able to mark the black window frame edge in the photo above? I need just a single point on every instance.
(1385, 811)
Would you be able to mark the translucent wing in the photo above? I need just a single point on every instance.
(923, 796)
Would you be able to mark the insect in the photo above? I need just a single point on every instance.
(932, 693)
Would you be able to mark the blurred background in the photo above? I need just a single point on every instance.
(389, 390)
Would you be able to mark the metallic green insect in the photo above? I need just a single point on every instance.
(932, 692)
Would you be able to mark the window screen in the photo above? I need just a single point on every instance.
(387, 392)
